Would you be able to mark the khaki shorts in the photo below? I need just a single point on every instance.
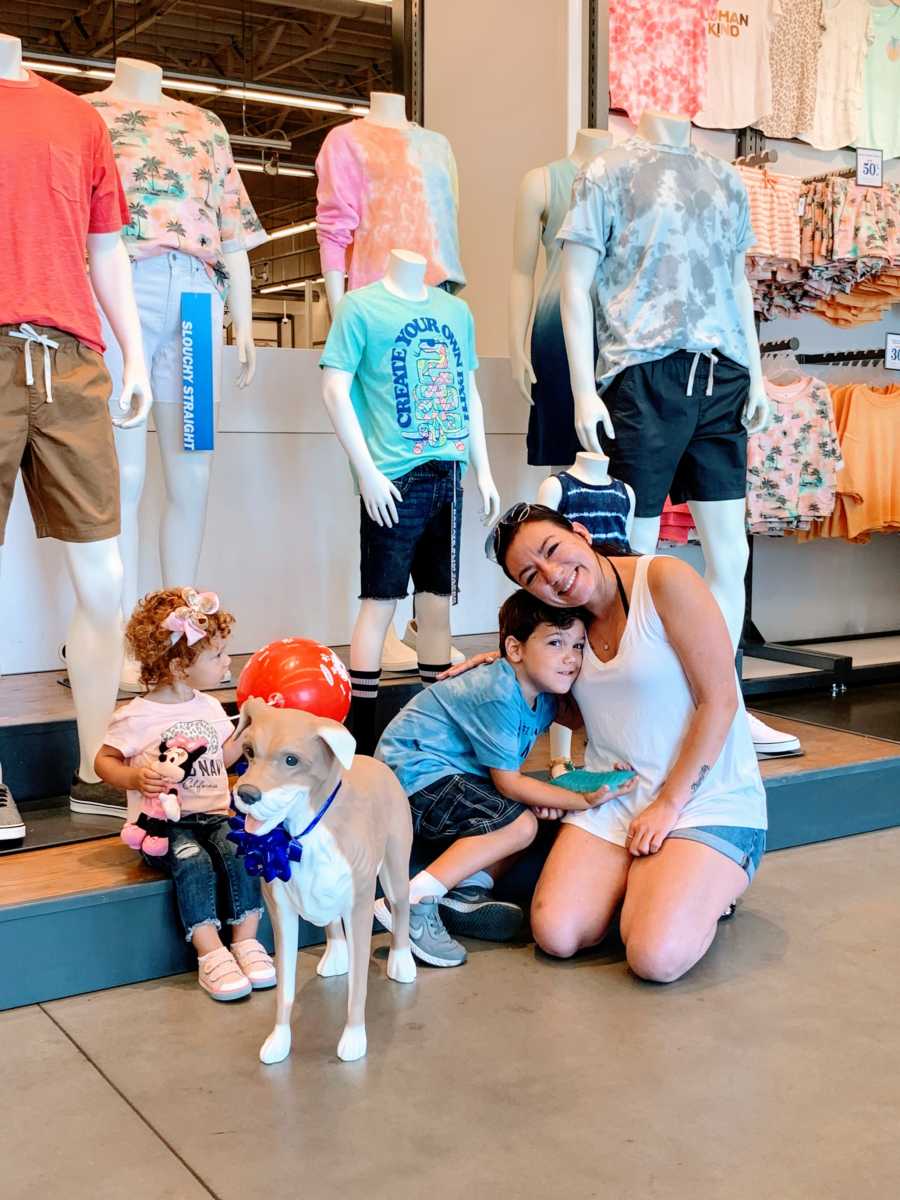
(65, 449)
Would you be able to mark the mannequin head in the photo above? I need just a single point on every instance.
(387, 108)
(136, 79)
(665, 129)
(11, 58)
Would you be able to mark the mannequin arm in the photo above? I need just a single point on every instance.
(379, 495)
(629, 520)
(757, 410)
(334, 288)
(530, 207)
(579, 266)
(240, 301)
(111, 281)
(550, 492)
(490, 498)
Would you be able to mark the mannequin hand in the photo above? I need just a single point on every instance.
(135, 397)
(380, 497)
(246, 358)
(523, 374)
(490, 499)
(757, 410)
(589, 409)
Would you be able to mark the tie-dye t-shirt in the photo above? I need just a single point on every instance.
(183, 189)
(410, 360)
(381, 189)
(667, 223)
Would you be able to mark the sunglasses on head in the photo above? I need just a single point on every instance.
(513, 516)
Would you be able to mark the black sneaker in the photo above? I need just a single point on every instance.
(12, 827)
(97, 799)
(473, 912)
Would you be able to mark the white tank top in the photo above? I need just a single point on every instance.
(637, 709)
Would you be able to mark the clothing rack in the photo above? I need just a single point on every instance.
(836, 358)
(756, 159)
(840, 173)
(781, 347)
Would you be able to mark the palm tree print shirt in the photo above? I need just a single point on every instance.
(183, 189)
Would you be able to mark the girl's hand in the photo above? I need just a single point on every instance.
(650, 828)
(149, 782)
(475, 661)
(548, 814)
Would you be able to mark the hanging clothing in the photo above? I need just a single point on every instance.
(793, 57)
(839, 85)
(870, 442)
(183, 188)
(676, 525)
(880, 125)
(602, 508)
(739, 76)
(382, 188)
(551, 421)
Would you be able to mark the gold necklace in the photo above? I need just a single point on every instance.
(605, 644)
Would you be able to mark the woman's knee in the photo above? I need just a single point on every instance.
(555, 931)
(660, 957)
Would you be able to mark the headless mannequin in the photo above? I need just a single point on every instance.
(530, 221)
(405, 278)
(186, 472)
(592, 469)
(720, 524)
(94, 637)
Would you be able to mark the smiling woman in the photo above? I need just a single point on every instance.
(657, 690)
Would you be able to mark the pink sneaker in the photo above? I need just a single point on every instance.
(254, 962)
(220, 975)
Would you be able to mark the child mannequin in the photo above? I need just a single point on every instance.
(178, 637)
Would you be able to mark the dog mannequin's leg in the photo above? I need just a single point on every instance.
(394, 876)
(358, 927)
(335, 960)
(285, 922)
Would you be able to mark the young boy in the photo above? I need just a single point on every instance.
(458, 749)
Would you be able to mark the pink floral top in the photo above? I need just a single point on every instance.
(183, 189)
(657, 56)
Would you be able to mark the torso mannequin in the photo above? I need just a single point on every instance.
(592, 470)
(173, 250)
(539, 369)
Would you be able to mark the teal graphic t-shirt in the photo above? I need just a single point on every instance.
(410, 360)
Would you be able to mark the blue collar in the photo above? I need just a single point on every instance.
(271, 854)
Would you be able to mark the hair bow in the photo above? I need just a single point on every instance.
(190, 620)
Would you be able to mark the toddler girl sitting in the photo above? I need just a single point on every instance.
(170, 750)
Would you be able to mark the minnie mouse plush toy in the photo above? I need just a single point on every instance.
(150, 832)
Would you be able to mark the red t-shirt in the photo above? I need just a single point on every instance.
(58, 183)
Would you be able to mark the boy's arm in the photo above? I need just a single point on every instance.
(537, 794)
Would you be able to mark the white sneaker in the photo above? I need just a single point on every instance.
(397, 657)
(768, 741)
(12, 827)
(410, 637)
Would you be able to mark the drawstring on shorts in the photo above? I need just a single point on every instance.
(713, 359)
(30, 335)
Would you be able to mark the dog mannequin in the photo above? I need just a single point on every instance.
(296, 761)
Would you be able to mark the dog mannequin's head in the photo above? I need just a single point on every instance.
(291, 756)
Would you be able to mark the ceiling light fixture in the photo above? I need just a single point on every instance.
(290, 230)
(263, 143)
(285, 99)
(276, 169)
(59, 69)
(189, 85)
(290, 286)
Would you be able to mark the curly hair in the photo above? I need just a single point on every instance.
(151, 644)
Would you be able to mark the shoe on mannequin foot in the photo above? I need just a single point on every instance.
(411, 636)
(767, 740)
(396, 656)
(12, 827)
(97, 799)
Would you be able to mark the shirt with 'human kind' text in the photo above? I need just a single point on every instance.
(410, 361)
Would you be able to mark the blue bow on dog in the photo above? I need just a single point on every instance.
(272, 853)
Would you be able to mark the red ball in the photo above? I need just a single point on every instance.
(298, 673)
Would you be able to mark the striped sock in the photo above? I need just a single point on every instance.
(363, 706)
(428, 672)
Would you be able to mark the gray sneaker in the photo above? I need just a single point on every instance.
(429, 940)
(12, 827)
(97, 799)
(473, 912)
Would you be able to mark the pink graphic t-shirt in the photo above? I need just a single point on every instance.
(181, 740)
(658, 56)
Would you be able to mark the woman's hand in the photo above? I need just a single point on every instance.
(476, 660)
(650, 828)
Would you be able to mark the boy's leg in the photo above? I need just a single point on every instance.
(483, 851)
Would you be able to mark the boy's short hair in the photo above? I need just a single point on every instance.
(521, 613)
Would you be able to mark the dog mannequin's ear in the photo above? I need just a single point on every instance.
(339, 740)
(248, 708)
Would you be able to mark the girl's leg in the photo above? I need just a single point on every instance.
(194, 879)
(243, 894)
(470, 854)
(579, 890)
(673, 902)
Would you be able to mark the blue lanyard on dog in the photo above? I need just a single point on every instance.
(271, 854)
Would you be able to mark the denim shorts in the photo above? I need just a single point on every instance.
(742, 845)
(461, 806)
(425, 541)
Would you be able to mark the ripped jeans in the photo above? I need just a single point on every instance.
(209, 877)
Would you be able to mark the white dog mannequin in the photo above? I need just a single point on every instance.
(298, 765)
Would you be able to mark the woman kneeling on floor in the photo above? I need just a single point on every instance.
(658, 690)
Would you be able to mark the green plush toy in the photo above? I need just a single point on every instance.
(590, 781)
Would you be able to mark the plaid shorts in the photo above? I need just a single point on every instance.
(461, 806)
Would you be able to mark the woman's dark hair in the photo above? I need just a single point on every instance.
(505, 533)
(521, 613)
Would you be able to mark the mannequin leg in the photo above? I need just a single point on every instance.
(366, 646)
(94, 643)
(645, 535)
(433, 635)
(186, 474)
(720, 524)
(131, 448)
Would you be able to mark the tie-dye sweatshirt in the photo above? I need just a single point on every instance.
(380, 189)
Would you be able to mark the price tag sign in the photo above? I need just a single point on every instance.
(197, 371)
(892, 352)
(869, 165)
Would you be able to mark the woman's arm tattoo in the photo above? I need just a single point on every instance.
(704, 771)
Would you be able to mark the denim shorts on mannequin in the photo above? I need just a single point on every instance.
(158, 284)
(424, 543)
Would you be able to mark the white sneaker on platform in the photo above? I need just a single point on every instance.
(397, 656)
(12, 827)
(410, 637)
(769, 741)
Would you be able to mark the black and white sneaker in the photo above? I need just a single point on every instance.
(97, 799)
(473, 912)
(12, 827)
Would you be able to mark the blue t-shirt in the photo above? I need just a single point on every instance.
(465, 726)
(410, 361)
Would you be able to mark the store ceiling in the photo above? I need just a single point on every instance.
(340, 48)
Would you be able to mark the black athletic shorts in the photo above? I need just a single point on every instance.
(678, 430)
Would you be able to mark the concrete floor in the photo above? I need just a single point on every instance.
(772, 1070)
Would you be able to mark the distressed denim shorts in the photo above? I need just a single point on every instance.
(424, 543)
(461, 806)
(742, 845)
